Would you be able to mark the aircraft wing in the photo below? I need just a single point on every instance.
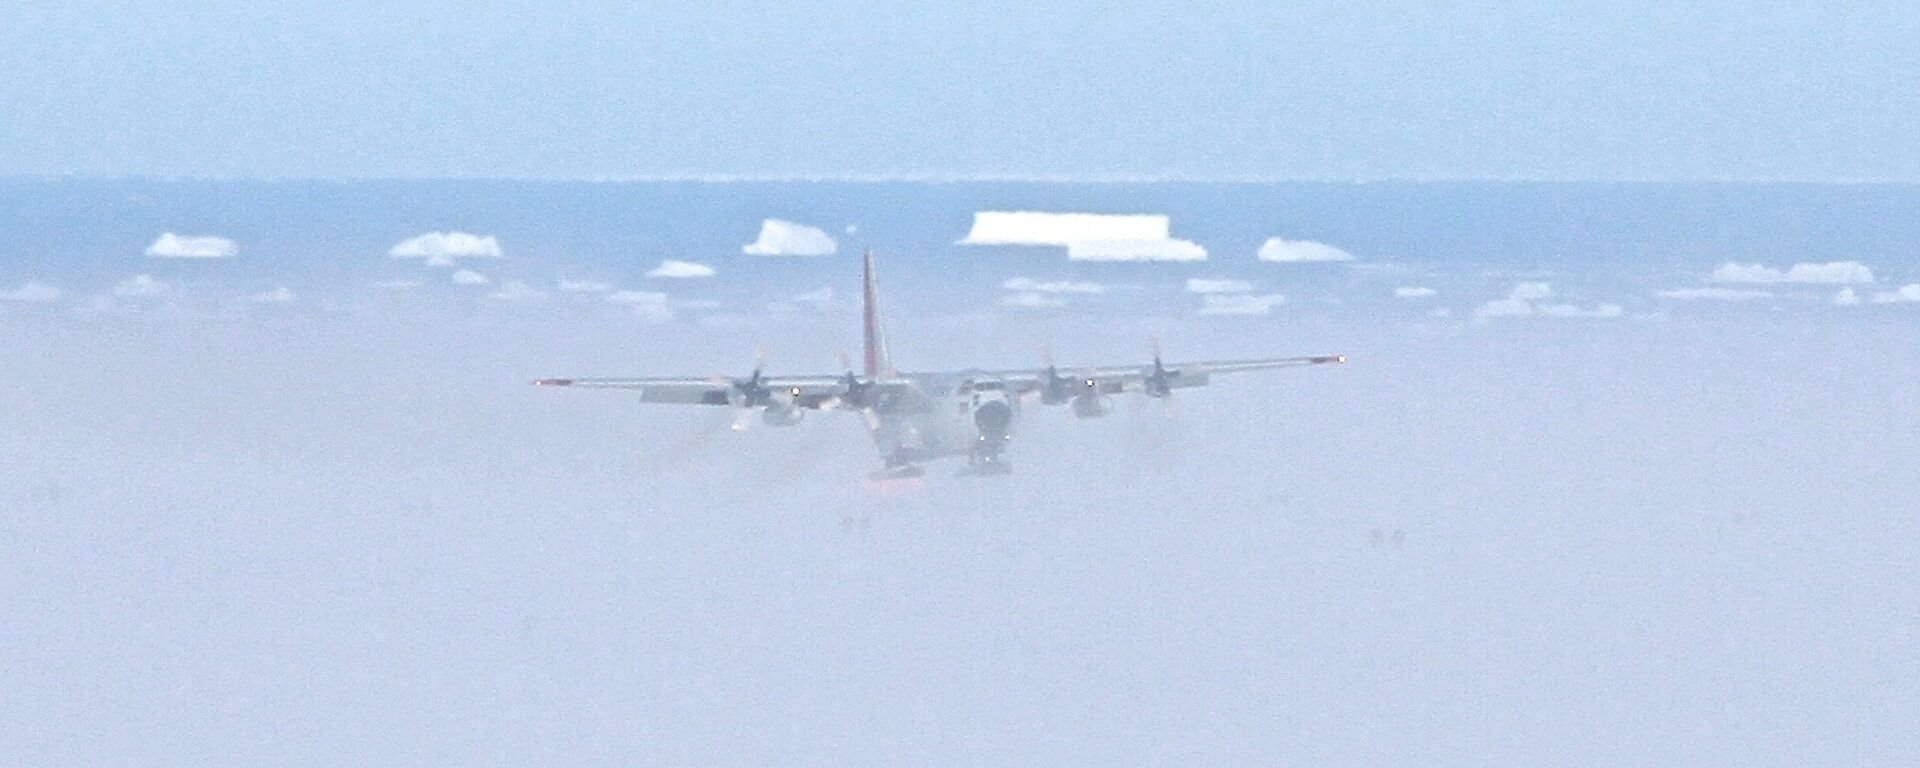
(1240, 366)
(1117, 379)
(807, 391)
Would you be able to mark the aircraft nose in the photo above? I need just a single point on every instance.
(993, 419)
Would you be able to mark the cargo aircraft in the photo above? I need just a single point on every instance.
(914, 418)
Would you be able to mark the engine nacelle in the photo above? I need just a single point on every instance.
(1092, 406)
(1055, 391)
(781, 417)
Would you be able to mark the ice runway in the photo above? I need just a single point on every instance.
(1647, 543)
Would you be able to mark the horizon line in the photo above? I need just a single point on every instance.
(912, 178)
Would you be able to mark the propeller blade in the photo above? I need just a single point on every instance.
(1159, 381)
(742, 419)
(736, 396)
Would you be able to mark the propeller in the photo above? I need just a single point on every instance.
(748, 393)
(1159, 384)
(1054, 390)
(856, 394)
(1159, 380)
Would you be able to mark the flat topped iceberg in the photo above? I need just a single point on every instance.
(1037, 228)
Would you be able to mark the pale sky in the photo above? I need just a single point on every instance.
(1318, 90)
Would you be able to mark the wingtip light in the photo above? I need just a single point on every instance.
(552, 382)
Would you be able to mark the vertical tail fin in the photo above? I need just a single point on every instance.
(878, 363)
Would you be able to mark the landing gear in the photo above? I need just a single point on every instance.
(899, 466)
(899, 472)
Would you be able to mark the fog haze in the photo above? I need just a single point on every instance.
(314, 540)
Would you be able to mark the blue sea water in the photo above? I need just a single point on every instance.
(1615, 243)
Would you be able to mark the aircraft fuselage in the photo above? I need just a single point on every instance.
(942, 417)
